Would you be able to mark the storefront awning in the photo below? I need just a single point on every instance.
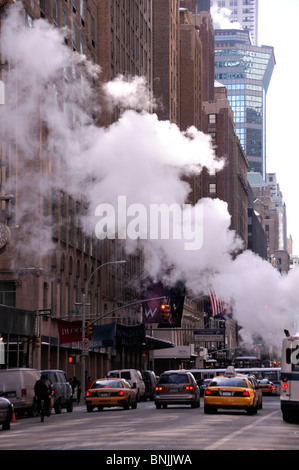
(157, 343)
(15, 321)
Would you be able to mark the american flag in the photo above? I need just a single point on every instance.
(218, 306)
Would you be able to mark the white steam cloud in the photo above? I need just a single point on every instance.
(222, 18)
(139, 157)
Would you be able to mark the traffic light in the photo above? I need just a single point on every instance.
(165, 311)
(36, 342)
(73, 359)
(88, 330)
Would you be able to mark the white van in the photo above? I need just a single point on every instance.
(18, 386)
(134, 378)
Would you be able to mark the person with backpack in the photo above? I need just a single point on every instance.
(43, 391)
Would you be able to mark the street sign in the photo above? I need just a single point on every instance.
(207, 335)
(85, 346)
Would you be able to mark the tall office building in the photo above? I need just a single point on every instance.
(280, 207)
(243, 12)
(47, 255)
(246, 71)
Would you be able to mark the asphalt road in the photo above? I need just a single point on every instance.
(177, 428)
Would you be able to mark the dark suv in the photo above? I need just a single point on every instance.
(177, 387)
(63, 396)
(150, 381)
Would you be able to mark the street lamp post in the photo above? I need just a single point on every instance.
(84, 316)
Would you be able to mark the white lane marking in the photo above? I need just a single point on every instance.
(225, 439)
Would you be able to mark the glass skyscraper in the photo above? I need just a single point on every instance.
(246, 72)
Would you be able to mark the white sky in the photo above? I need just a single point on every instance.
(278, 27)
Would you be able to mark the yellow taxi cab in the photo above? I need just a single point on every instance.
(110, 392)
(230, 391)
(267, 387)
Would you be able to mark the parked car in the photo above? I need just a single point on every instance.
(6, 413)
(63, 396)
(109, 393)
(17, 385)
(150, 381)
(134, 378)
(177, 387)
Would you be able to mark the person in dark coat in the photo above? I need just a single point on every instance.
(43, 391)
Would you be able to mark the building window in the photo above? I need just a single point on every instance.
(28, 20)
(212, 188)
(74, 6)
(8, 294)
(74, 36)
(212, 118)
(82, 12)
(42, 8)
(55, 11)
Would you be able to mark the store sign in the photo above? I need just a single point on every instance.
(206, 334)
(69, 331)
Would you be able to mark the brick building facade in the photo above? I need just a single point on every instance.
(150, 38)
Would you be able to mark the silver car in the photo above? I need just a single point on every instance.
(6, 413)
(177, 387)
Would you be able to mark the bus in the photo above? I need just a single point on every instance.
(289, 395)
(273, 374)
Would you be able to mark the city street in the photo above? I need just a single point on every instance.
(146, 428)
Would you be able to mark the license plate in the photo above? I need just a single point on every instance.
(10, 394)
(104, 394)
(173, 390)
(227, 394)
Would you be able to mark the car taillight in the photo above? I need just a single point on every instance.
(87, 394)
(189, 387)
(121, 393)
(24, 392)
(246, 393)
(208, 392)
(284, 385)
(159, 389)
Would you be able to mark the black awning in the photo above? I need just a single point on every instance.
(15, 321)
(157, 343)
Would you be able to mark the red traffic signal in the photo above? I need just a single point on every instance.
(73, 359)
(165, 311)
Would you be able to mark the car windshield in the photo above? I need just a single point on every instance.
(174, 379)
(107, 384)
(228, 382)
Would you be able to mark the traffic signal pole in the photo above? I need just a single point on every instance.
(85, 350)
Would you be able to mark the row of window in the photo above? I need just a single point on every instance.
(233, 3)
